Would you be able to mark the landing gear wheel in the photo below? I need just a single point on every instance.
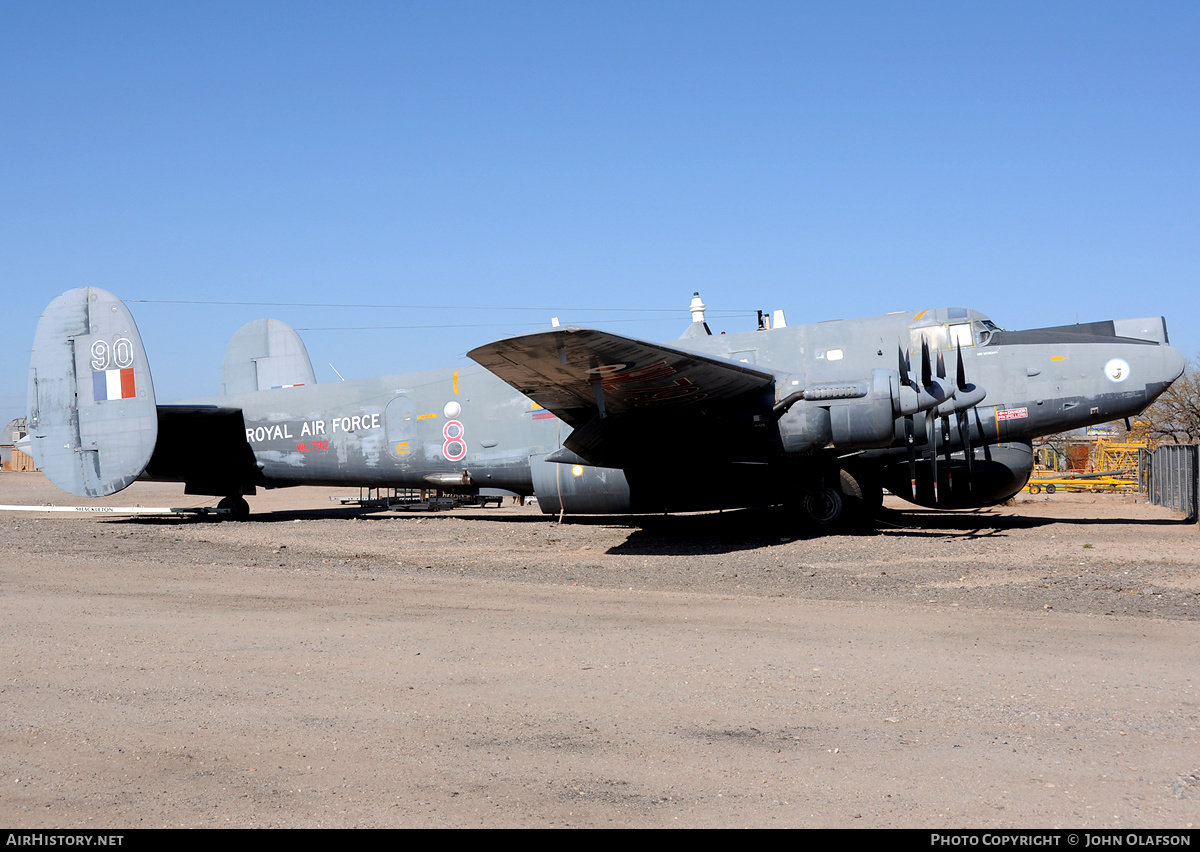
(824, 506)
(862, 497)
(239, 509)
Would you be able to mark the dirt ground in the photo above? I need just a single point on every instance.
(1034, 665)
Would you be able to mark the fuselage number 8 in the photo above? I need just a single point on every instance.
(455, 447)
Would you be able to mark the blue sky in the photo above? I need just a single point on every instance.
(1036, 161)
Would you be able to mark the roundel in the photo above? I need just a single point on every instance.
(1117, 370)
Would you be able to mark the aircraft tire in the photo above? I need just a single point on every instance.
(862, 497)
(239, 509)
(824, 507)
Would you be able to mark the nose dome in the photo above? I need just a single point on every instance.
(1173, 362)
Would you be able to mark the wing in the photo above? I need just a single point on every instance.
(632, 402)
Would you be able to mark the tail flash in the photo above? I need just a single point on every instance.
(93, 422)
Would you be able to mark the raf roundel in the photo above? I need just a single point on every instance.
(1117, 370)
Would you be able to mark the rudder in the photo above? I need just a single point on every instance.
(263, 355)
(92, 417)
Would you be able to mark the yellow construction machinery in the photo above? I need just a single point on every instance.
(1088, 463)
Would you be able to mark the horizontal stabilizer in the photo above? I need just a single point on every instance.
(263, 355)
(92, 418)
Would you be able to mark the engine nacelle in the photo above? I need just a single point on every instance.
(852, 415)
(866, 423)
(805, 427)
(992, 480)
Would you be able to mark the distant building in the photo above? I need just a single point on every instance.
(12, 458)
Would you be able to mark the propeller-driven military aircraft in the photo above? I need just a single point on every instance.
(938, 406)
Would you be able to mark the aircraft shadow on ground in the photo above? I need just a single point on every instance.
(930, 520)
(713, 532)
(330, 513)
(754, 528)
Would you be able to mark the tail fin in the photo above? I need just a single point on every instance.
(265, 354)
(93, 422)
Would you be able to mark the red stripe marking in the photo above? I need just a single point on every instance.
(127, 389)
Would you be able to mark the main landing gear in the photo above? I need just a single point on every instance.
(844, 498)
(824, 506)
(239, 509)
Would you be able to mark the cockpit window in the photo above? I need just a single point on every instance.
(954, 335)
(983, 331)
(961, 335)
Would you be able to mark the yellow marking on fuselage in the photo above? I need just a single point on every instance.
(917, 318)
(456, 382)
(1058, 357)
(535, 406)
(426, 416)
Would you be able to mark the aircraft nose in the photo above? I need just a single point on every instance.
(1173, 363)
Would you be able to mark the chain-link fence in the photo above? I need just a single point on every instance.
(1170, 476)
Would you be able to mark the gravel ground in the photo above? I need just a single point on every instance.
(1027, 665)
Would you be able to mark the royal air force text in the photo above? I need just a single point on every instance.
(309, 428)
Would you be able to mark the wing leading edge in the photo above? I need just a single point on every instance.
(627, 398)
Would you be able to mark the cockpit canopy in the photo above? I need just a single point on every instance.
(950, 328)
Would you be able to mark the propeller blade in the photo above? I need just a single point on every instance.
(963, 419)
(964, 431)
(946, 447)
(941, 373)
(931, 423)
(910, 439)
(904, 365)
(987, 449)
